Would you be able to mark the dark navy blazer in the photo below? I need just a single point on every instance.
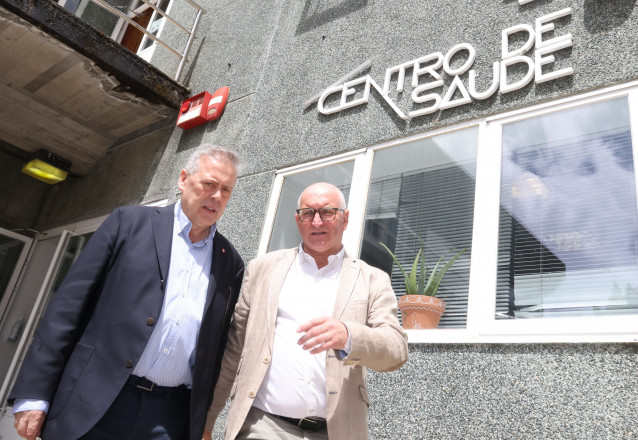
(97, 323)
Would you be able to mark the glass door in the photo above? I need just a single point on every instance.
(27, 305)
(13, 252)
(48, 265)
(35, 269)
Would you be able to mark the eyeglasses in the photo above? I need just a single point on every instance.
(326, 214)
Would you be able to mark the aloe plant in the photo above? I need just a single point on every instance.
(415, 280)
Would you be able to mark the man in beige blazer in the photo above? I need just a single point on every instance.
(308, 323)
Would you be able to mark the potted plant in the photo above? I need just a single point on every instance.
(419, 307)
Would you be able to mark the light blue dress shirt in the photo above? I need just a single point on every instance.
(169, 355)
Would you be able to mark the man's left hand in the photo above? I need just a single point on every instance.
(321, 334)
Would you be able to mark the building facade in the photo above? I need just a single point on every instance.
(508, 128)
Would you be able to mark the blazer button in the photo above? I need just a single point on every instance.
(266, 359)
(129, 364)
(150, 321)
(251, 394)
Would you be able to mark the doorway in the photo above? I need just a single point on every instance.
(34, 280)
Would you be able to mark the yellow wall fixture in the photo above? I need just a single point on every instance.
(47, 167)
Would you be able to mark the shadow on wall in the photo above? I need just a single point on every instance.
(311, 17)
(193, 62)
(604, 15)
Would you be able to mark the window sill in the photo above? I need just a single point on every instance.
(608, 329)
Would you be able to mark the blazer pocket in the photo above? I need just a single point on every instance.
(72, 372)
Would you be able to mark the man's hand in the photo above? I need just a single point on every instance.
(29, 423)
(207, 435)
(321, 334)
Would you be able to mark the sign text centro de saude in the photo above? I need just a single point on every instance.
(431, 65)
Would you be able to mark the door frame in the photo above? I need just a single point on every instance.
(64, 233)
(10, 291)
(36, 311)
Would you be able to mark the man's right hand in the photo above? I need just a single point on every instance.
(29, 423)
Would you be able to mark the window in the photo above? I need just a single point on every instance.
(424, 190)
(96, 16)
(568, 229)
(544, 199)
(119, 30)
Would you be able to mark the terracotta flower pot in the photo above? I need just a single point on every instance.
(420, 311)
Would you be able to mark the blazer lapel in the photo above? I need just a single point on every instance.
(349, 273)
(162, 221)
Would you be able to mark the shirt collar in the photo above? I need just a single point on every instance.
(184, 226)
(306, 261)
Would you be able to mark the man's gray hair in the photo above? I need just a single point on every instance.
(214, 152)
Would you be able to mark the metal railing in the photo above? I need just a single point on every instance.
(183, 56)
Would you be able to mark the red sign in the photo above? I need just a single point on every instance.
(202, 108)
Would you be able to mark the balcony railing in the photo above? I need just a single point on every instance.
(148, 34)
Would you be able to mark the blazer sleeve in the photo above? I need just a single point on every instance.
(66, 316)
(380, 343)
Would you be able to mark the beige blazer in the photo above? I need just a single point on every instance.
(365, 303)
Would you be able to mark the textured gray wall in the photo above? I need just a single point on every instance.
(305, 46)
(558, 391)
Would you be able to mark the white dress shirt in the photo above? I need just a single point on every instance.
(295, 383)
(169, 354)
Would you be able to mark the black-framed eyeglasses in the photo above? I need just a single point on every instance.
(327, 214)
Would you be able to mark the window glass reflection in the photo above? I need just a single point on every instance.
(568, 224)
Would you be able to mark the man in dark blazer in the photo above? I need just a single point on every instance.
(131, 344)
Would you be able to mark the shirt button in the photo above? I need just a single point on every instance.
(129, 364)
(251, 394)
(166, 350)
(267, 360)
(150, 321)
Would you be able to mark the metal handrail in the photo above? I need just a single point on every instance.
(164, 14)
(191, 33)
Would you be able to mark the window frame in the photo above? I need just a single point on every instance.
(482, 326)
